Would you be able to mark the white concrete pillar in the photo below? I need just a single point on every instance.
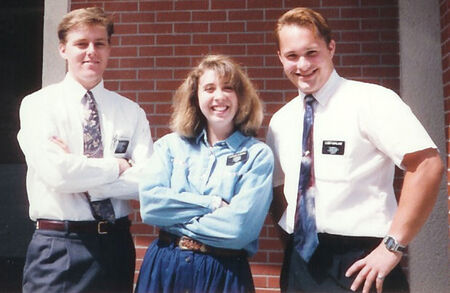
(421, 88)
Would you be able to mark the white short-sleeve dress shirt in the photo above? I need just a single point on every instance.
(360, 131)
(56, 180)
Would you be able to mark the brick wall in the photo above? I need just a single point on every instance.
(445, 47)
(157, 42)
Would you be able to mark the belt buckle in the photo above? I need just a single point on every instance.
(187, 243)
(99, 227)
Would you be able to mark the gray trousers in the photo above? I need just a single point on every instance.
(79, 262)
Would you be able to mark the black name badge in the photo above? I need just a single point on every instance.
(121, 147)
(333, 147)
(239, 157)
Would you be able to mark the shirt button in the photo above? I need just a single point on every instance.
(188, 259)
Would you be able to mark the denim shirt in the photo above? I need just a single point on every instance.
(185, 179)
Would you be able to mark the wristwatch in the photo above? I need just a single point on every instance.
(392, 244)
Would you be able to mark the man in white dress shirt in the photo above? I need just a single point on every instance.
(360, 131)
(83, 145)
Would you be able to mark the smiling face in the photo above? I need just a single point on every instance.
(218, 102)
(87, 51)
(307, 59)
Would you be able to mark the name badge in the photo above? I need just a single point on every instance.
(239, 157)
(120, 146)
(333, 147)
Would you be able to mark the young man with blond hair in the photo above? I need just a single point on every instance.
(83, 145)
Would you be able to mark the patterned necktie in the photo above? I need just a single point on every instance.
(93, 148)
(305, 232)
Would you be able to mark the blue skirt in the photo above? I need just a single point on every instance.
(167, 268)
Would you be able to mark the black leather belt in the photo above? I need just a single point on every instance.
(93, 227)
(187, 243)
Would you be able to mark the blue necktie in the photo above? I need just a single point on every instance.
(305, 232)
(93, 148)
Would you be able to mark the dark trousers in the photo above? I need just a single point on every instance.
(79, 262)
(326, 270)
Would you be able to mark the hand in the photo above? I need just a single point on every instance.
(123, 165)
(60, 143)
(374, 267)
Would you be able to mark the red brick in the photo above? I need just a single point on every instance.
(346, 24)
(246, 15)
(209, 38)
(149, 109)
(191, 50)
(331, 3)
(159, 119)
(155, 5)
(137, 40)
(257, 26)
(155, 28)
(381, 71)
(228, 49)
(173, 16)
(167, 84)
(120, 6)
(151, 97)
(112, 85)
(172, 61)
(358, 36)
(191, 27)
(137, 17)
(144, 241)
(209, 15)
(228, 4)
(154, 74)
(260, 281)
(265, 269)
(261, 49)
(163, 108)
(124, 29)
(376, 24)
(357, 12)
(360, 60)
(135, 85)
(137, 62)
(156, 51)
(173, 39)
(120, 74)
(247, 38)
(227, 27)
(142, 229)
(191, 5)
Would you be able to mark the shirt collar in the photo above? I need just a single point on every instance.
(324, 94)
(233, 142)
(76, 91)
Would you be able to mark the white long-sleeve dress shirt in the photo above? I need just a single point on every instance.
(56, 180)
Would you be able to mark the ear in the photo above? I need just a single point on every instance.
(62, 50)
(332, 47)
(279, 56)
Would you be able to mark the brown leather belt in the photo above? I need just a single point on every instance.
(93, 227)
(187, 243)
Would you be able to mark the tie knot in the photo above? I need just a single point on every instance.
(309, 99)
(88, 98)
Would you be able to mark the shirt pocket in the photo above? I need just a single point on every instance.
(180, 173)
(334, 168)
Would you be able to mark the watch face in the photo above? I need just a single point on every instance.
(390, 243)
